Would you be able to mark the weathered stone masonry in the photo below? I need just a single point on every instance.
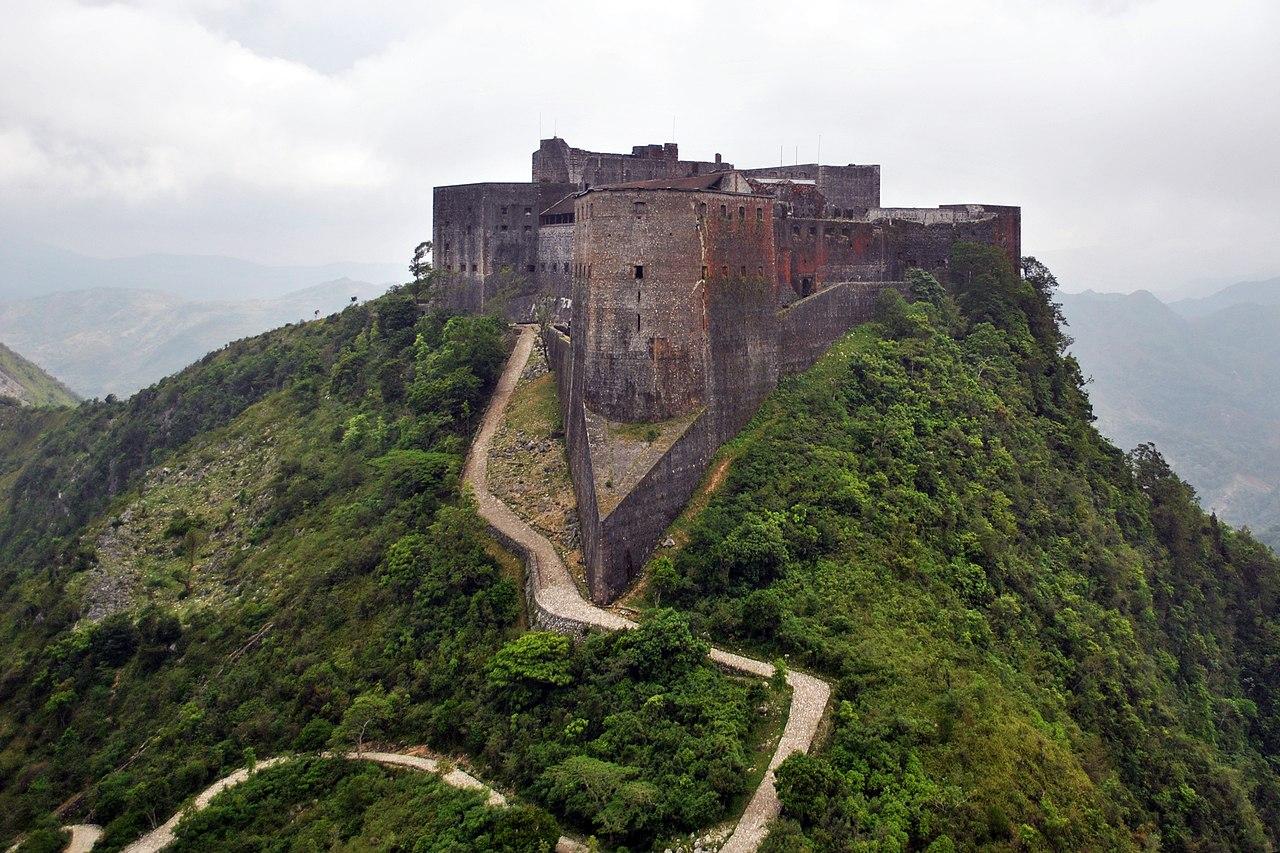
(686, 289)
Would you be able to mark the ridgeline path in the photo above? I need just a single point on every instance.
(558, 602)
(555, 596)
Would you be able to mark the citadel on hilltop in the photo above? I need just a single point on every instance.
(689, 287)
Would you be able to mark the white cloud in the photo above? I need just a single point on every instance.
(1135, 134)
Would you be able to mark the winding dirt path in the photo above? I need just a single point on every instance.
(558, 601)
(85, 835)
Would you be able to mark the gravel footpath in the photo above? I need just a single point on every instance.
(85, 835)
(556, 595)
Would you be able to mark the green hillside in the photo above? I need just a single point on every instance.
(25, 382)
(270, 553)
(1035, 640)
(1038, 641)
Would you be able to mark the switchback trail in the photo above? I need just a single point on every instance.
(84, 835)
(558, 603)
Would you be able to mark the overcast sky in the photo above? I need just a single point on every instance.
(1139, 137)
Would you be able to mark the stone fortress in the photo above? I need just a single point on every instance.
(682, 290)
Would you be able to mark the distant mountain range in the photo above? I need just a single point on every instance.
(1198, 378)
(24, 381)
(115, 341)
(34, 269)
(115, 325)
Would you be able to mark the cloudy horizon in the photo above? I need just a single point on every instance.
(1136, 136)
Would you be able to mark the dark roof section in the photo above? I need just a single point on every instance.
(709, 182)
(564, 205)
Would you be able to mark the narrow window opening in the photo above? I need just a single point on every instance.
(528, 211)
(742, 213)
(637, 322)
(759, 214)
(639, 271)
(704, 273)
(724, 211)
(724, 271)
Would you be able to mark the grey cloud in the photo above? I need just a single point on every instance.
(1138, 136)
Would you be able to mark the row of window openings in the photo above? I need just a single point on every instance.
(637, 271)
(585, 270)
(528, 211)
(474, 268)
(724, 212)
(813, 231)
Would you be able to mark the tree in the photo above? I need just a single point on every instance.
(662, 647)
(544, 313)
(420, 266)
(535, 658)
(367, 716)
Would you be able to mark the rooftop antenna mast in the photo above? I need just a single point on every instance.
(819, 149)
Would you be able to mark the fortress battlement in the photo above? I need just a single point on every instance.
(688, 288)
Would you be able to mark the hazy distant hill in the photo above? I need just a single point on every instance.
(26, 382)
(1245, 293)
(35, 269)
(1198, 378)
(114, 341)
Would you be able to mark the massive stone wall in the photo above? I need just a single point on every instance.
(809, 327)
(556, 161)
(815, 251)
(555, 264)
(561, 355)
(847, 190)
(480, 230)
(647, 261)
(750, 345)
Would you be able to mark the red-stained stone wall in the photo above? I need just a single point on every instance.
(645, 262)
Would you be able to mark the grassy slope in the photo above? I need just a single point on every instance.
(1036, 645)
(280, 539)
(38, 387)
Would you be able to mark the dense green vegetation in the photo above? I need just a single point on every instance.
(23, 380)
(1037, 641)
(285, 561)
(324, 804)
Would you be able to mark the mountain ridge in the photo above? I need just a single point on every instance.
(104, 340)
(1196, 378)
(25, 381)
(29, 269)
